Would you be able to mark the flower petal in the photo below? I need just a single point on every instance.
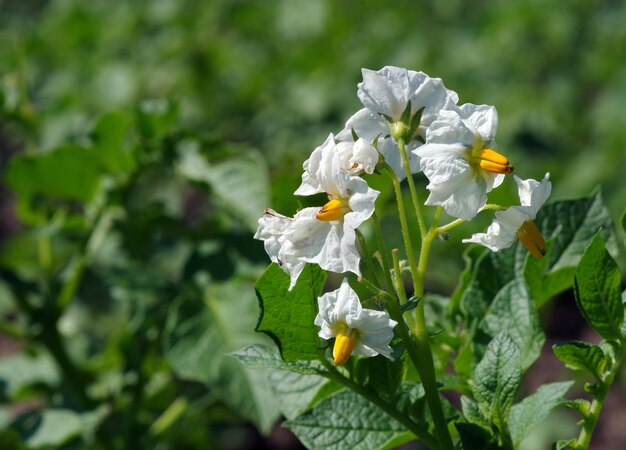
(357, 157)
(502, 232)
(375, 331)
(484, 118)
(366, 125)
(450, 128)
(385, 91)
(533, 193)
(272, 228)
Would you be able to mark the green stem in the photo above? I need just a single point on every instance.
(399, 285)
(71, 285)
(397, 273)
(426, 367)
(449, 226)
(590, 421)
(414, 197)
(74, 378)
(403, 220)
(376, 290)
(334, 375)
(45, 253)
(422, 357)
(492, 206)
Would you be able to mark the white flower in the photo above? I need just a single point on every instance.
(271, 231)
(356, 330)
(354, 158)
(386, 95)
(321, 235)
(516, 222)
(326, 236)
(460, 161)
(388, 92)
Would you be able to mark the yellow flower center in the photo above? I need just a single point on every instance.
(345, 341)
(531, 238)
(494, 162)
(333, 210)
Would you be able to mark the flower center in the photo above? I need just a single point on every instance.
(492, 161)
(531, 238)
(345, 341)
(333, 210)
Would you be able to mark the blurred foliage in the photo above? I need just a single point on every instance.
(278, 76)
(123, 217)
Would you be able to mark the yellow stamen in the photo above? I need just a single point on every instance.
(492, 161)
(345, 342)
(531, 238)
(333, 210)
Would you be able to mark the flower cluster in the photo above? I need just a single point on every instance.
(410, 123)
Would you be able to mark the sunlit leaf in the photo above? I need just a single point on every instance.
(346, 420)
(598, 290)
(287, 316)
(534, 409)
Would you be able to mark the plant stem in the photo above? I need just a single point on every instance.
(420, 354)
(590, 421)
(74, 377)
(449, 226)
(426, 367)
(414, 197)
(399, 285)
(397, 273)
(403, 221)
(416, 429)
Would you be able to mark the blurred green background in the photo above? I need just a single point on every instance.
(212, 108)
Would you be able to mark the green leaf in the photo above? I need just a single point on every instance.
(579, 355)
(287, 316)
(50, 427)
(585, 217)
(552, 274)
(472, 413)
(29, 174)
(624, 322)
(464, 361)
(240, 183)
(296, 384)
(411, 400)
(497, 378)
(474, 437)
(490, 273)
(465, 280)
(202, 328)
(259, 356)
(385, 376)
(157, 118)
(22, 370)
(533, 410)
(579, 405)
(10, 440)
(543, 285)
(294, 391)
(597, 286)
(563, 444)
(69, 173)
(345, 420)
(109, 138)
(513, 311)
(622, 221)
